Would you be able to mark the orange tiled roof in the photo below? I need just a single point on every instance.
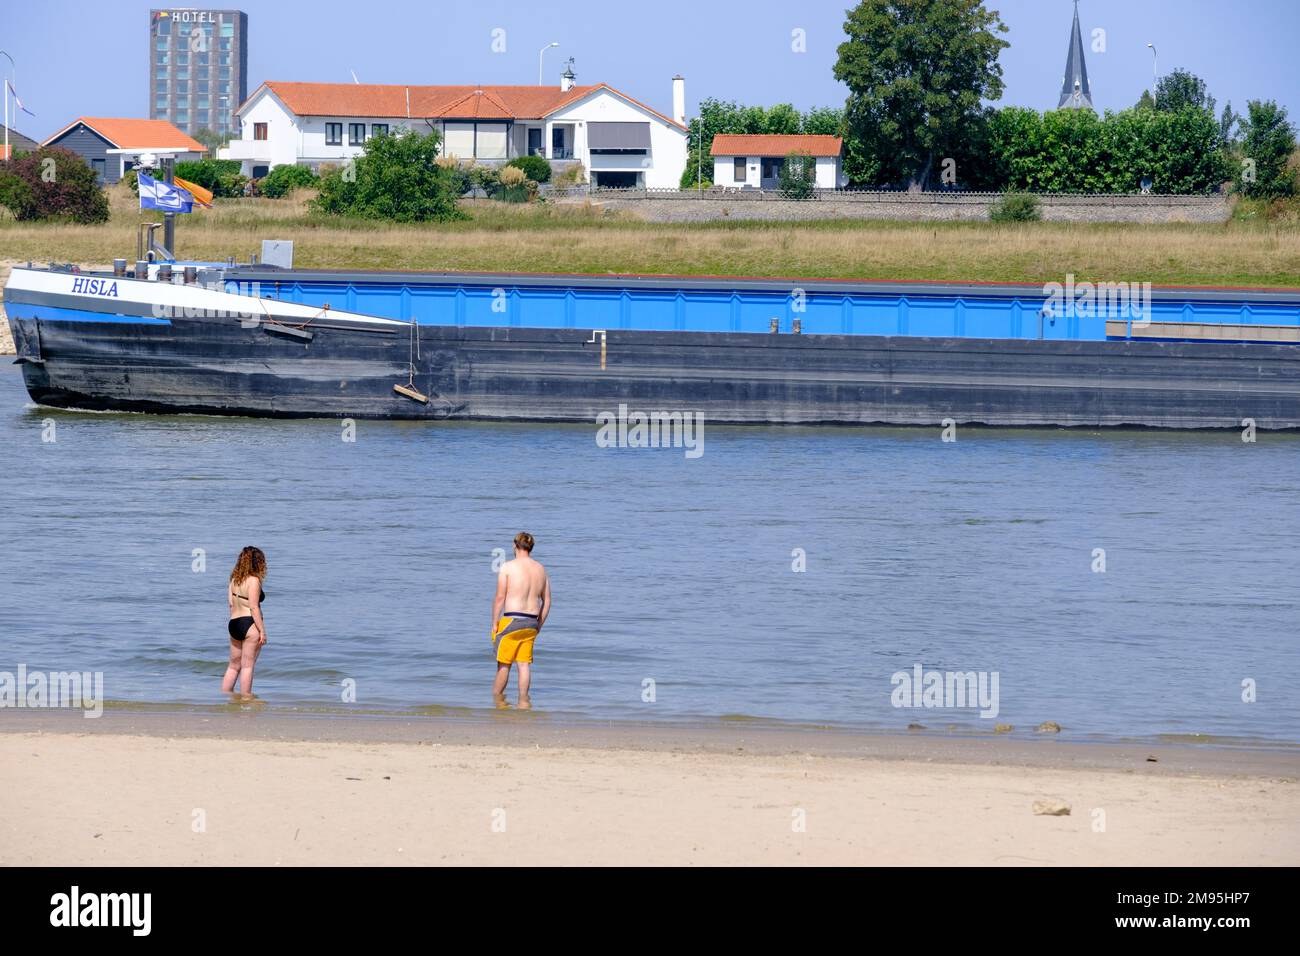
(135, 133)
(734, 144)
(443, 102)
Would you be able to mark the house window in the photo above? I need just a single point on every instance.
(201, 117)
(164, 26)
(738, 173)
(227, 29)
(201, 86)
(259, 131)
(183, 88)
(333, 134)
(772, 168)
(378, 129)
(356, 133)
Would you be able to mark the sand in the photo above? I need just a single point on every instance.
(231, 790)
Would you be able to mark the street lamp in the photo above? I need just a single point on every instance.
(13, 67)
(1155, 65)
(540, 53)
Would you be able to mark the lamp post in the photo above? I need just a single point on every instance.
(1155, 67)
(540, 54)
(8, 81)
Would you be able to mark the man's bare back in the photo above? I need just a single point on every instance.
(519, 609)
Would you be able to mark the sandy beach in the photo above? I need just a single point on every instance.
(235, 789)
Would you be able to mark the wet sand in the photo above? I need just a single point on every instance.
(134, 788)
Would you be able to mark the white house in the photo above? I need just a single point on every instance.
(620, 141)
(744, 161)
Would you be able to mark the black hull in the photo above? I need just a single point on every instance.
(510, 373)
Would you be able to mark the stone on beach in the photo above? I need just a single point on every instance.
(1049, 727)
(1051, 808)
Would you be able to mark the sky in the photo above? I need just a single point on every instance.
(90, 59)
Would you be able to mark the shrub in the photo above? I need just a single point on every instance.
(207, 173)
(798, 176)
(512, 176)
(397, 178)
(232, 184)
(283, 180)
(485, 178)
(458, 173)
(571, 175)
(52, 184)
(535, 168)
(1016, 207)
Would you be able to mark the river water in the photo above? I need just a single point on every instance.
(1122, 584)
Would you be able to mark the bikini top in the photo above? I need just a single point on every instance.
(245, 599)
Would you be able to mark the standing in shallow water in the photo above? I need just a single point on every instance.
(246, 628)
(522, 602)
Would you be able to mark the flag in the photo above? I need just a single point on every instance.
(17, 100)
(201, 196)
(155, 194)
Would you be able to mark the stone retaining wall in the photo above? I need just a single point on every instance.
(685, 207)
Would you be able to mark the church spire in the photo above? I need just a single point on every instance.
(1076, 94)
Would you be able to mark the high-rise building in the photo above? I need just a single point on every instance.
(198, 68)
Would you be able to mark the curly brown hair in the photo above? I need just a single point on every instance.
(250, 561)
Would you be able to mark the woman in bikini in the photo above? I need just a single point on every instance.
(247, 630)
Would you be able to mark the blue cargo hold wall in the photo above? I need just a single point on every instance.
(712, 306)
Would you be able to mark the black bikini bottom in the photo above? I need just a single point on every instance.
(238, 627)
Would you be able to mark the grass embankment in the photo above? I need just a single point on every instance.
(1254, 249)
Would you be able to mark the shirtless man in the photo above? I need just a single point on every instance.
(519, 610)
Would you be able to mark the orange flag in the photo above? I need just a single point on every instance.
(201, 196)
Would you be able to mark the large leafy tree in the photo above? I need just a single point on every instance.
(1181, 89)
(1269, 142)
(918, 72)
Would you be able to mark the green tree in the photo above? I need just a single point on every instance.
(1266, 148)
(1146, 101)
(917, 71)
(213, 141)
(1181, 89)
(1230, 125)
(52, 184)
(798, 176)
(397, 178)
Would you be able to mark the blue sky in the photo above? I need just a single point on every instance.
(80, 58)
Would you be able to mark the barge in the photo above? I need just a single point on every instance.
(265, 341)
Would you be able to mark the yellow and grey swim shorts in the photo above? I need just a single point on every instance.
(514, 634)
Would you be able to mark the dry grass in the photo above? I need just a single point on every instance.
(576, 238)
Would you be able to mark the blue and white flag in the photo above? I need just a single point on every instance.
(17, 100)
(155, 194)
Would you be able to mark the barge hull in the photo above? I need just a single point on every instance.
(537, 374)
